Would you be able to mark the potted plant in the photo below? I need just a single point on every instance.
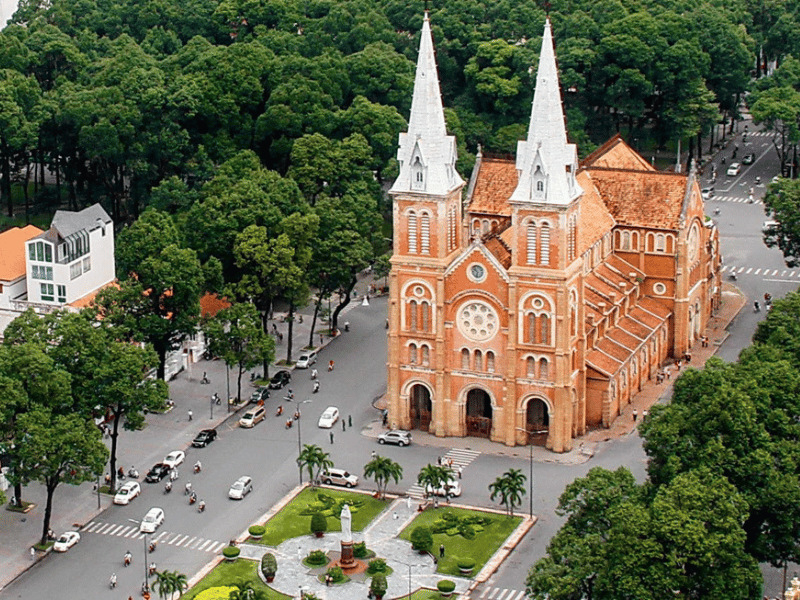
(465, 565)
(446, 588)
(318, 524)
(421, 539)
(378, 586)
(269, 566)
(257, 531)
(231, 553)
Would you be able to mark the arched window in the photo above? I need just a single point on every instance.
(531, 244)
(544, 329)
(530, 367)
(531, 337)
(545, 245)
(412, 315)
(412, 233)
(426, 315)
(425, 234)
(486, 226)
(544, 369)
(426, 355)
(478, 360)
(661, 242)
(412, 354)
(573, 319)
(451, 228)
(490, 361)
(625, 241)
(540, 186)
(465, 359)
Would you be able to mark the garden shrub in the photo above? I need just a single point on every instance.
(319, 523)
(378, 584)
(336, 574)
(317, 557)
(467, 531)
(446, 586)
(222, 592)
(257, 530)
(377, 565)
(360, 549)
(230, 551)
(466, 563)
(421, 539)
(269, 565)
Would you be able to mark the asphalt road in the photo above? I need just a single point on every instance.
(267, 452)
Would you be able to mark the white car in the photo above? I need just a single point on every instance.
(66, 541)
(329, 417)
(242, 487)
(734, 169)
(174, 458)
(452, 487)
(152, 520)
(338, 477)
(127, 492)
(306, 360)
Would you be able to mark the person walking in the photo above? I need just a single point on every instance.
(635, 414)
(350, 421)
(441, 550)
(344, 425)
(191, 414)
(331, 437)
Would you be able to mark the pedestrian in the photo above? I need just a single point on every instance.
(408, 502)
(644, 415)
(33, 553)
(374, 454)
(344, 426)
(439, 460)
(441, 550)
(321, 339)
(394, 515)
(331, 437)
(458, 470)
(350, 421)
(668, 371)
(191, 414)
(635, 414)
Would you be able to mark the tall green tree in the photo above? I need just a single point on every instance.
(433, 477)
(235, 334)
(57, 449)
(783, 205)
(509, 487)
(382, 470)
(314, 459)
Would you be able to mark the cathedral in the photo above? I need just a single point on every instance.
(535, 300)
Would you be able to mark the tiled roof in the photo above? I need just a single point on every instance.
(642, 199)
(616, 154)
(636, 328)
(88, 299)
(12, 251)
(211, 304)
(595, 221)
(68, 222)
(495, 182)
(500, 251)
(654, 306)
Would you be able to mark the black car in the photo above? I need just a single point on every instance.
(748, 159)
(260, 395)
(280, 379)
(157, 473)
(204, 438)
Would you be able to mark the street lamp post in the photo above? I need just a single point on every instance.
(409, 576)
(530, 478)
(299, 440)
(228, 384)
(146, 572)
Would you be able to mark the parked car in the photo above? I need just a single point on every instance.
(452, 487)
(260, 395)
(338, 477)
(329, 417)
(398, 436)
(748, 158)
(127, 492)
(242, 487)
(306, 360)
(204, 438)
(769, 226)
(280, 379)
(707, 193)
(152, 520)
(252, 417)
(734, 169)
(174, 458)
(66, 541)
(157, 472)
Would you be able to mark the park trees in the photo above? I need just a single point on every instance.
(509, 487)
(434, 477)
(783, 205)
(235, 334)
(382, 470)
(314, 459)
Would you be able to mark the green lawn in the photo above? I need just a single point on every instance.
(480, 549)
(228, 574)
(291, 521)
(424, 594)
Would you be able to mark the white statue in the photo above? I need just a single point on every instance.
(347, 520)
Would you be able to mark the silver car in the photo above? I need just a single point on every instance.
(399, 437)
(242, 487)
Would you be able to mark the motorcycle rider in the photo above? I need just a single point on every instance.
(128, 558)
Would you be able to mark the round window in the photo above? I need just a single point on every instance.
(419, 290)
(478, 321)
(476, 272)
(537, 303)
(659, 289)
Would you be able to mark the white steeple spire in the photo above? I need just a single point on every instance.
(545, 161)
(427, 155)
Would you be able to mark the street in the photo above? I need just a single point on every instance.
(267, 452)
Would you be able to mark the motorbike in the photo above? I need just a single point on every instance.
(152, 546)
(192, 498)
(168, 487)
(133, 473)
(197, 467)
(288, 423)
(128, 558)
(202, 506)
(279, 412)
(316, 386)
(187, 489)
(112, 583)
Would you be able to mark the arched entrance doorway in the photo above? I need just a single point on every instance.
(420, 407)
(537, 422)
(479, 413)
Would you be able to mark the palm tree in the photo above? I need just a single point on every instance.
(381, 469)
(180, 583)
(433, 477)
(245, 591)
(314, 459)
(169, 582)
(510, 487)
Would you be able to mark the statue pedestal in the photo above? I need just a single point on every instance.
(347, 560)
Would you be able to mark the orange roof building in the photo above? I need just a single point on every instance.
(535, 303)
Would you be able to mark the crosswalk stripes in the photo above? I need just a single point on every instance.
(460, 459)
(169, 538)
(730, 199)
(761, 272)
(495, 593)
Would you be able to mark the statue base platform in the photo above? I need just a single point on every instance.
(346, 561)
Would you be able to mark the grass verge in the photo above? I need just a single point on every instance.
(228, 574)
(291, 521)
(480, 549)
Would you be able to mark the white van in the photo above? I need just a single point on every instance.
(306, 360)
(252, 416)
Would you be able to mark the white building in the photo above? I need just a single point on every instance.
(64, 266)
